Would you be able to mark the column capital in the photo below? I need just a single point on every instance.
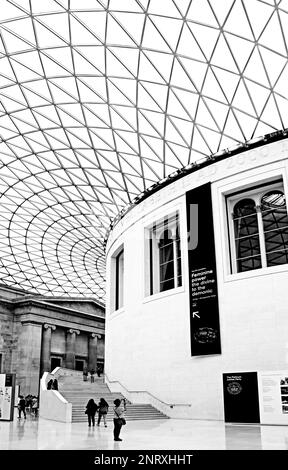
(95, 335)
(46, 326)
(71, 330)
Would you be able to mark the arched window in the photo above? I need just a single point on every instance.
(259, 233)
(275, 227)
(246, 230)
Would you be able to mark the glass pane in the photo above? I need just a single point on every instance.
(167, 271)
(246, 236)
(166, 285)
(166, 261)
(275, 225)
(248, 264)
(277, 257)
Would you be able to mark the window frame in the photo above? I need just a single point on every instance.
(119, 279)
(154, 232)
(255, 192)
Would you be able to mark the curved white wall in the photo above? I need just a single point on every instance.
(148, 340)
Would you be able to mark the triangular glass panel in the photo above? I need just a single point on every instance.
(243, 100)
(59, 23)
(24, 29)
(238, 22)
(132, 23)
(283, 107)
(116, 34)
(259, 94)
(212, 87)
(45, 37)
(145, 100)
(172, 25)
(201, 12)
(270, 114)
(272, 36)
(115, 67)
(255, 69)
(152, 39)
(274, 64)
(95, 22)
(195, 70)
(188, 46)
(222, 56)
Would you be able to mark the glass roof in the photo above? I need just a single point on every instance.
(101, 99)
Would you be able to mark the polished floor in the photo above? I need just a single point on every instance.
(42, 434)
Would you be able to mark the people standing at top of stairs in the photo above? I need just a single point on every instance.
(91, 409)
(92, 372)
(102, 411)
(49, 384)
(85, 374)
(55, 384)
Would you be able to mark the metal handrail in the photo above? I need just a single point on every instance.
(171, 405)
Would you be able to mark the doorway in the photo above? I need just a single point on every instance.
(55, 362)
(79, 364)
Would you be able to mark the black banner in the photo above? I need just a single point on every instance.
(241, 401)
(204, 310)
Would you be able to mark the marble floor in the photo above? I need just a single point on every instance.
(41, 434)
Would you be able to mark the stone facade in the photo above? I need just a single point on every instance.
(39, 333)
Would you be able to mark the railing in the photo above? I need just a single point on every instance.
(173, 410)
(52, 404)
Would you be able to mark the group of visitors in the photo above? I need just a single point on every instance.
(102, 409)
(92, 408)
(29, 403)
(52, 384)
(92, 373)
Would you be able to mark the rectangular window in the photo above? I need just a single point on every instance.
(119, 273)
(258, 225)
(165, 254)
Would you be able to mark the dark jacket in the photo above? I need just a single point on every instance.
(91, 408)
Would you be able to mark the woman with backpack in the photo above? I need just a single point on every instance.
(102, 411)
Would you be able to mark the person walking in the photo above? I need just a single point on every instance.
(21, 407)
(102, 411)
(35, 406)
(91, 409)
(119, 419)
(85, 374)
(92, 372)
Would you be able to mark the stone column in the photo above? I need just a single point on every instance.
(46, 347)
(71, 348)
(92, 350)
(29, 352)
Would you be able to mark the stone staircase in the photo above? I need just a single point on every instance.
(78, 392)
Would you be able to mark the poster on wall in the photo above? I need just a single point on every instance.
(273, 397)
(7, 396)
(203, 291)
(241, 400)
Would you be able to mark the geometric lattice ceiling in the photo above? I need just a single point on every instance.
(101, 99)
